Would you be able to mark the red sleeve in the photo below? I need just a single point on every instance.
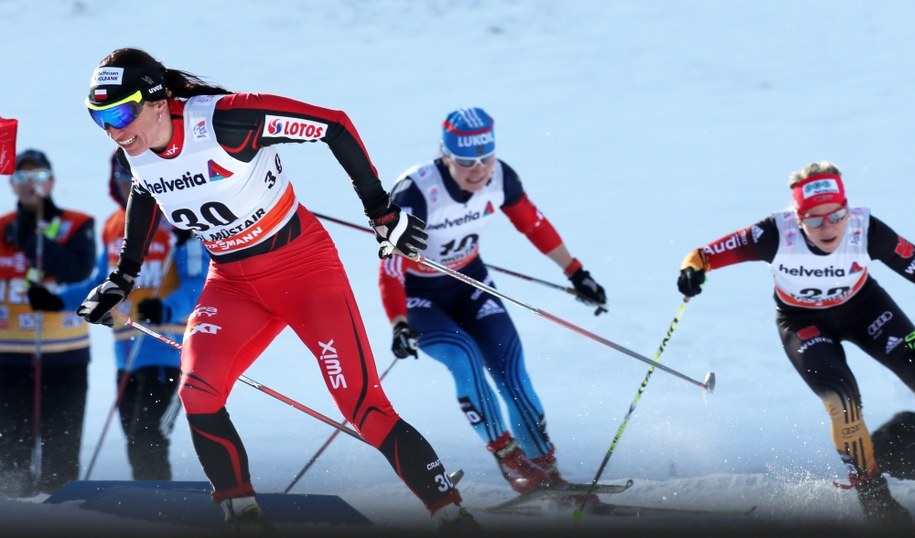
(390, 281)
(246, 121)
(736, 247)
(528, 220)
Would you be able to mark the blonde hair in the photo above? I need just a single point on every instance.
(822, 167)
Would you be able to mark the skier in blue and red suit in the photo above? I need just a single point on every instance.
(470, 332)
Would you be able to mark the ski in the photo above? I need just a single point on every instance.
(619, 510)
(565, 489)
(623, 510)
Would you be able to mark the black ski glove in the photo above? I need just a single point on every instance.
(692, 273)
(181, 236)
(405, 341)
(40, 299)
(154, 311)
(400, 230)
(96, 307)
(11, 233)
(589, 291)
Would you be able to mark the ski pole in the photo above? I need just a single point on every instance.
(329, 440)
(301, 407)
(708, 384)
(167, 422)
(579, 512)
(568, 289)
(38, 277)
(244, 379)
(122, 384)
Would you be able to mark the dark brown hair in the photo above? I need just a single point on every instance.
(178, 83)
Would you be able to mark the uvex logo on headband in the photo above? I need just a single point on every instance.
(817, 190)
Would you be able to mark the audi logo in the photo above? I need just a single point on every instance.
(878, 324)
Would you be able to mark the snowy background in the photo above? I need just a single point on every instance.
(642, 129)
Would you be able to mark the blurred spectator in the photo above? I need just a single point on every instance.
(42, 247)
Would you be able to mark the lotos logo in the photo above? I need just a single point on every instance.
(294, 128)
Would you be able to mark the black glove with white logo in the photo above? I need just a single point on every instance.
(405, 341)
(96, 307)
(400, 230)
(588, 290)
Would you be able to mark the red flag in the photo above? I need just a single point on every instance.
(8, 145)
